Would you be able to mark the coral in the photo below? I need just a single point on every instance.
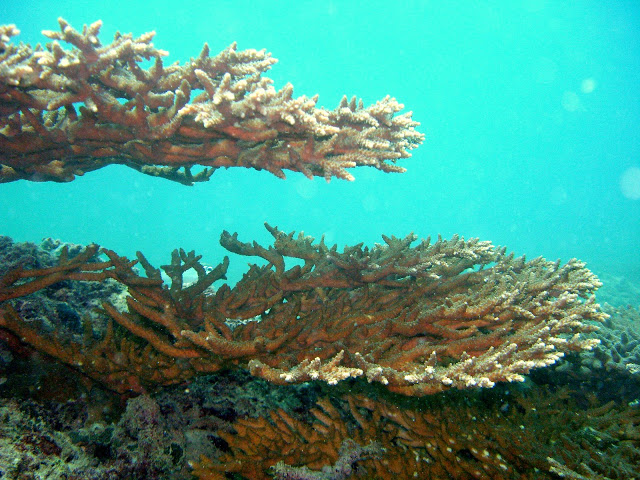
(62, 308)
(419, 319)
(519, 435)
(330, 341)
(67, 112)
(620, 340)
(349, 453)
(619, 291)
(36, 443)
(31, 450)
(143, 439)
(61, 305)
(148, 437)
(613, 365)
(231, 425)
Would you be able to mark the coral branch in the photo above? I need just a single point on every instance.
(64, 112)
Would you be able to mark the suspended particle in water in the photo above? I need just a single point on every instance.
(630, 183)
(588, 85)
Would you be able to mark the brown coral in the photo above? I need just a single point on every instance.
(452, 437)
(419, 319)
(67, 112)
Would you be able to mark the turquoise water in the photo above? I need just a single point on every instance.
(530, 109)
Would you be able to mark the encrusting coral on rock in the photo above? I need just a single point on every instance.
(418, 319)
(67, 112)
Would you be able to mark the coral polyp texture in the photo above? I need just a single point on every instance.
(64, 112)
(418, 318)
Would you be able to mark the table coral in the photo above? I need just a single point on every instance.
(417, 318)
(67, 112)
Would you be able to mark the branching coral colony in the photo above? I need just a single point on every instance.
(415, 316)
(67, 112)
(419, 319)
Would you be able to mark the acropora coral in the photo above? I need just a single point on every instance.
(418, 319)
(67, 112)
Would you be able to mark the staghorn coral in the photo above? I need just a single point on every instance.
(419, 319)
(615, 361)
(620, 341)
(446, 436)
(230, 423)
(67, 112)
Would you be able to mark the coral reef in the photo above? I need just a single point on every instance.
(148, 437)
(419, 319)
(67, 112)
(360, 363)
(526, 434)
(62, 308)
(619, 341)
(232, 425)
(349, 454)
(31, 450)
(36, 443)
(612, 366)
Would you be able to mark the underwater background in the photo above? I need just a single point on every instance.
(530, 110)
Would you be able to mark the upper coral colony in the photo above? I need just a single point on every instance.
(418, 317)
(67, 112)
